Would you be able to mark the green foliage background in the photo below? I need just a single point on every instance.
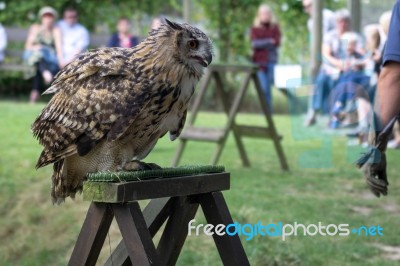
(92, 12)
(227, 21)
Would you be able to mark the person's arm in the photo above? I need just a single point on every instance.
(389, 92)
(277, 36)
(29, 44)
(358, 62)
(261, 43)
(58, 45)
(373, 163)
(256, 43)
(327, 55)
(389, 78)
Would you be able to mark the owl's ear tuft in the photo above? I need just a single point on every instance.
(173, 25)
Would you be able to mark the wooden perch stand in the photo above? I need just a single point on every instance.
(174, 201)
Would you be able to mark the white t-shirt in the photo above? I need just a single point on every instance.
(74, 38)
(3, 42)
(338, 50)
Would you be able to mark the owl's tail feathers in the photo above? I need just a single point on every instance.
(62, 185)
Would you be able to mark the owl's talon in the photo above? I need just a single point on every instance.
(136, 165)
(154, 166)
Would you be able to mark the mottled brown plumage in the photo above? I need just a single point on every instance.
(111, 105)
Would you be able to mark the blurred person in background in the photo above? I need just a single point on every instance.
(328, 17)
(328, 24)
(352, 87)
(265, 38)
(156, 23)
(3, 42)
(123, 38)
(373, 56)
(332, 65)
(384, 22)
(43, 49)
(75, 36)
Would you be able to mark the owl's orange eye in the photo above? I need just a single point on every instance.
(192, 44)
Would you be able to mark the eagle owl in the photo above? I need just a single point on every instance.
(111, 105)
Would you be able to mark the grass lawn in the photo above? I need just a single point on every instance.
(322, 186)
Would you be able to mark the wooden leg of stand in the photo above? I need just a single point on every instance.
(92, 235)
(216, 212)
(176, 230)
(135, 234)
(155, 213)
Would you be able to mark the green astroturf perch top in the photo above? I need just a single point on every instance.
(157, 173)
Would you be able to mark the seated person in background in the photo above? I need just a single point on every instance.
(384, 22)
(75, 37)
(351, 92)
(331, 67)
(373, 57)
(42, 50)
(123, 38)
(3, 43)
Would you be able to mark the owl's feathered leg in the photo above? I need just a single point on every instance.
(136, 165)
(63, 186)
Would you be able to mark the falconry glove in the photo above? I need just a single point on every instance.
(373, 162)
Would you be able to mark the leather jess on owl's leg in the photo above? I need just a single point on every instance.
(136, 165)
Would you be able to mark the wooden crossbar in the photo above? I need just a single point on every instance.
(154, 188)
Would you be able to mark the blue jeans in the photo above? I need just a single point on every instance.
(322, 89)
(351, 84)
(46, 55)
(266, 78)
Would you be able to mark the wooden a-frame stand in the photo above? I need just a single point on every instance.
(174, 200)
(220, 136)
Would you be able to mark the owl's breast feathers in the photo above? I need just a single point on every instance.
(104, 93)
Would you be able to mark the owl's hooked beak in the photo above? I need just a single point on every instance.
(205, 61)
(208, 59)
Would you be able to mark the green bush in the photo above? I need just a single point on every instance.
(13, 85)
